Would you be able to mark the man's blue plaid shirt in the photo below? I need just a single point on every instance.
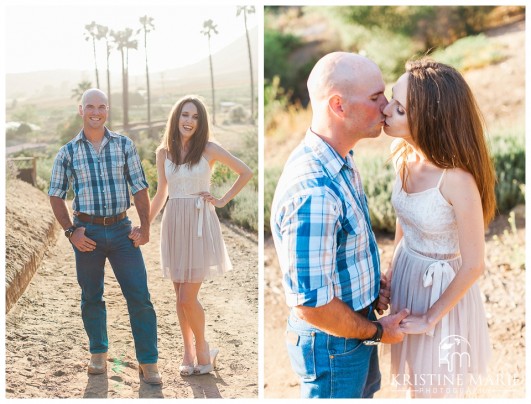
(322, 230)
(100, 181)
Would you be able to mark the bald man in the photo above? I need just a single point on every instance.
(103, 167)
(324, 241)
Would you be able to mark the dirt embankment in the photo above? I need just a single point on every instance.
(30, 229)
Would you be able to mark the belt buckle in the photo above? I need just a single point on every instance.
(105, 220)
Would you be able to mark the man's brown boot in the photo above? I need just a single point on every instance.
(98, 363)
(150, 373)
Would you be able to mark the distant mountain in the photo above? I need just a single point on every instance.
(35, 85)
(231, 68)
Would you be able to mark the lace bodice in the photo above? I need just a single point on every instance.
(428, 221)
(185, 181)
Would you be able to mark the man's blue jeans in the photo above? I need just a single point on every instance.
(112, 242)
(331, 367)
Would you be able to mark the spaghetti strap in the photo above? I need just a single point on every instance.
(440, 179)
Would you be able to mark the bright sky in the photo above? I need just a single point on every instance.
(49, 37)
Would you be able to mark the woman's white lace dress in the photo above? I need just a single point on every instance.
(447, 360)
(191, 244)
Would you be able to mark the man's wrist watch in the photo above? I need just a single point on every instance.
(377, 337)
(70, 231)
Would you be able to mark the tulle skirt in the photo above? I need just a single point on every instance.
(448, 361)
(191, 244)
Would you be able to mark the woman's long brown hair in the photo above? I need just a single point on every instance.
(447, 126)
(172, 139)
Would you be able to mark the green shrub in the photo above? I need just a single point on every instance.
(388, 47)
(274, 95)
(508, 154)
(44, 172)
(221, 174)
(378, 178)
(431, 26)
(150, 171)
(69, 128)
(238, 114)
(226, 211)
(244, 212)
(277, 47)
(472, 52)
(243, 209)
(381, 46)
(275, 101)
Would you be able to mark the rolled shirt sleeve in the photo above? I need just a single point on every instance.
(134, 172)
(61, 173)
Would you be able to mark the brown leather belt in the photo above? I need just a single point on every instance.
(104, 220)
(366, 310)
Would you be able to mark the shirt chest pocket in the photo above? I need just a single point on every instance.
(80, 170)
(118, 165)
(354, 228)
(115, 164)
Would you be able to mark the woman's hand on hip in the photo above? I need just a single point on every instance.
(208, 197)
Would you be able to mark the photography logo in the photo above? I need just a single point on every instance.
(456, 377)
(453, 353)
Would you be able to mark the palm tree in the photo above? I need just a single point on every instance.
(91, 34)
(82, 86)
(147, 26)
(104, 33)
(208, 28)
(124, 42)
(250, 10)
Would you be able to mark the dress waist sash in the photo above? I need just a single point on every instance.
(437, 275)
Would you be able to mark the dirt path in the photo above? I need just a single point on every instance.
(47, 348)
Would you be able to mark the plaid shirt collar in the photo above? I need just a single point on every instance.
(332, 161)
(82, 137)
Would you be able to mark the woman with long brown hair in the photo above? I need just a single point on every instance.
(444, 199)
(192, 246)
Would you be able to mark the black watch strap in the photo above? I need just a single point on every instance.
(70, 231)
(377, 337)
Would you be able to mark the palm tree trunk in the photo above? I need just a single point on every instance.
(212, 84)
(95, 62)
(250, 62)
(109, 116)
(124, 91)
(147, 86)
